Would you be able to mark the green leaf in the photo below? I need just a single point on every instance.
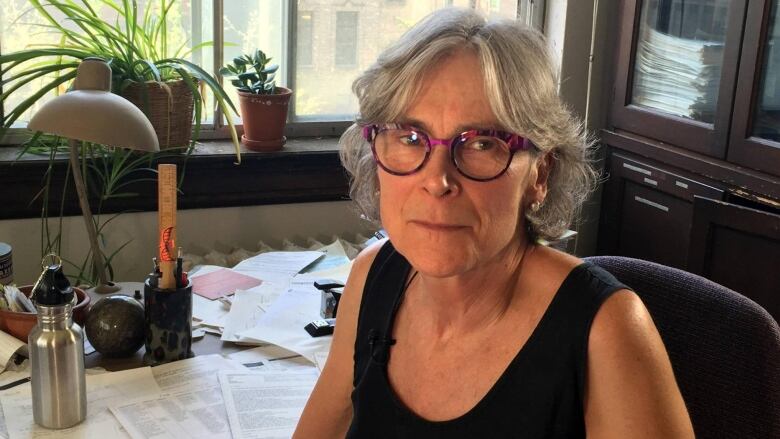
(271, 69)
(248, 76)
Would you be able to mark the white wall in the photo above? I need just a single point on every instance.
(198, 231)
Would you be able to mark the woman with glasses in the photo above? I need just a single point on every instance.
(461, 324)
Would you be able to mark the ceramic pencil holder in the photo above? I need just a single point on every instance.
(168, 323)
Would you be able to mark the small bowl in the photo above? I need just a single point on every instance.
(19, 324)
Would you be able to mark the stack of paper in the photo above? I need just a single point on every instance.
(276, 311)
(677, 75)
(103, 391)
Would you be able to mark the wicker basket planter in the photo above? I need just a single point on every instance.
(169, 106)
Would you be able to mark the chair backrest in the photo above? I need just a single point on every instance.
(724, 348)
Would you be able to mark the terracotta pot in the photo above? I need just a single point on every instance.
(264, 117)
(19, 324)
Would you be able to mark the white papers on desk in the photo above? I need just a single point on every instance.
(265, 404)
(283, 322)
(191, 405)
(277, 266)
(247, 309)
(9, 346)
(13, 376)
(205, 312)
(103, 390)
(335, 255)
(270, 357)
(211, 313)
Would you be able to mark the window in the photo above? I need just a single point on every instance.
(318, 61)
(531, 12)
(346, 38)
(304, 40)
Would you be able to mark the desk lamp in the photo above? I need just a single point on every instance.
(91, 113)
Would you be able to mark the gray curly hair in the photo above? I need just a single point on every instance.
(521, 83)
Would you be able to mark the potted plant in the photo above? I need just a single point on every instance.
(263, 104)
(146, 69)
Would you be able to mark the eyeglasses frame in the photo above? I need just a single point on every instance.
(515, 142)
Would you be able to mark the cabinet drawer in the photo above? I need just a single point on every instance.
(654, 226)
(665, 181)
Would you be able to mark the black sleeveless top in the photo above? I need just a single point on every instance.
(539, 395)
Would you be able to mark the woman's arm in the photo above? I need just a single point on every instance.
(328, 412)
(630, 389)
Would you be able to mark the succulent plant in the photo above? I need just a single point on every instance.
(252, 74)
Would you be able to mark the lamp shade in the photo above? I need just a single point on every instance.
(92, 113)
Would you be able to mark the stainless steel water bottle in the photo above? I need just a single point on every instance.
(56, 353)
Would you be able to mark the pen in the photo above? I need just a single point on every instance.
(179, 278)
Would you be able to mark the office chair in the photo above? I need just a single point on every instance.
(724, 348)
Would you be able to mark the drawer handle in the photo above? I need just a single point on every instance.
(681, 184)
(650, 181)
(651, 203)
(637, 169)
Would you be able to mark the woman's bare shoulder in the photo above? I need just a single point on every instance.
(361, 265)
(549, 266)
(630, 377)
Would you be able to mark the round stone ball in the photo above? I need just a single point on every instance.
(115, 326)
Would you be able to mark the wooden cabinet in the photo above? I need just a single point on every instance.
(672, 84)
(693, 141)
(650, 211)
(738, 247)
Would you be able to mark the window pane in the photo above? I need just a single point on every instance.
(767, 115)
(255, 24)
(345, 39)
(23, 27)
(304, 38)
(679, 57)
(20, 27)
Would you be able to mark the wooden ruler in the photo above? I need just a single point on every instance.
(166, 215)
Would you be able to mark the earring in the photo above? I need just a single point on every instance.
(535, 206)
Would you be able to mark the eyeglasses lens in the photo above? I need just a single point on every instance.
(482, 157)
(400, 150)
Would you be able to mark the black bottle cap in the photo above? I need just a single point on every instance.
(53, 288)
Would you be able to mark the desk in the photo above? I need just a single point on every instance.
(209, 344)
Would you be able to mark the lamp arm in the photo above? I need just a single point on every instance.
(97, 254)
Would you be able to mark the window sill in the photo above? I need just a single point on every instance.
(306, 170)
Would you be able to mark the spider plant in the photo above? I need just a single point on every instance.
(135, 45)
(110, 174)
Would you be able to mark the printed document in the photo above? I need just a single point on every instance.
(190, 406)
(265, 404)
(103, 390)
(277, 266)
(270, 357)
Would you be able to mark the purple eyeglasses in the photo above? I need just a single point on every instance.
(480, 155)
